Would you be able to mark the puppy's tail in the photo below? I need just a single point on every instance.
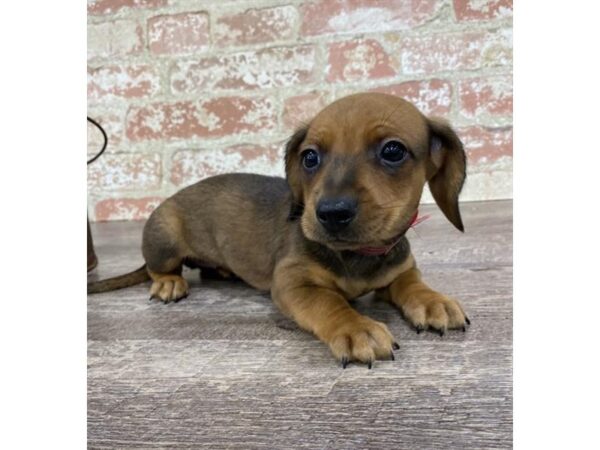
(122, 281)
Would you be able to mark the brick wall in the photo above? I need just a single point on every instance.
(187, 89)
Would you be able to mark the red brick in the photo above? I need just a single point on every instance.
(131, 81)
(126, 208)
(432, 97)
(116, 38)
(456, 51)
(262, 69)
(255, 26)
(358, 60)
(491, 96)
(99, 7)
(358, 16)
(190, 166)
(486, 144)
(125, 171)
(209, 118)
(300, 109)
(469, 10)
(178, 33)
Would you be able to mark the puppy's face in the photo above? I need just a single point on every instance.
(359, 170)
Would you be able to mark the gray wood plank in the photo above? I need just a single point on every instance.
(224, 369)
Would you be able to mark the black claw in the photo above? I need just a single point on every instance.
(344, 362)
(467, 320)
(419, 329)
(396, 346)
(441, 332)
(464, 329)
(370, 364)
(392, 357)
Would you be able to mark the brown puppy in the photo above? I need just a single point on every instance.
(332, 232)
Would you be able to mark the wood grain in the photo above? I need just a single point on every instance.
(223, 369)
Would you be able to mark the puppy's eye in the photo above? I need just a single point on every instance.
(310, 159)
(393, 153)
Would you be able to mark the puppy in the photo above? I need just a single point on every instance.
(333, 231)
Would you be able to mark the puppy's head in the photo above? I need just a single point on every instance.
(357, 171)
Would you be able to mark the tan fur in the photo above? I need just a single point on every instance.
(265, 230)
(353, 288)
(168, 287)
(366, 120)
(422, 306)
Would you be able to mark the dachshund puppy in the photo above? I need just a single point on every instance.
(333, 231)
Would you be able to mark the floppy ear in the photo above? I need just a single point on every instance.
(448, 169)
(292, 171)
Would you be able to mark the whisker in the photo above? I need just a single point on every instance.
(414, 229)
(391, 206)
(385, 205)
(386, 118)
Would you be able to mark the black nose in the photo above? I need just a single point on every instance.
(337, 213)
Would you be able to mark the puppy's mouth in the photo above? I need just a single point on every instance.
(373, 249)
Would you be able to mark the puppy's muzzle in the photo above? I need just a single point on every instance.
(337, 213)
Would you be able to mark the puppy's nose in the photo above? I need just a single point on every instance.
(337, 213)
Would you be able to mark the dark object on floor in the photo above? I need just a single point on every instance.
(92, 260)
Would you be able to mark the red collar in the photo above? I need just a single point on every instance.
(385, 249)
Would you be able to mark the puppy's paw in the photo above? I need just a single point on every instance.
(169, 288)
(362, 339)
(433, 310)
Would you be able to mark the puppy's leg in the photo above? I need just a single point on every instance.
(422, 306)
(164, 251)
(168, 286)
(326, 313)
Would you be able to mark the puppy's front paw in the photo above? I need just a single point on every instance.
(430, 309)
(169, 288)
(362, 339)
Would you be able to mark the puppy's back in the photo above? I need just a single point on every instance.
(236, 221)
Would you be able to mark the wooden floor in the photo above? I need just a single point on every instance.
(223, 369)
